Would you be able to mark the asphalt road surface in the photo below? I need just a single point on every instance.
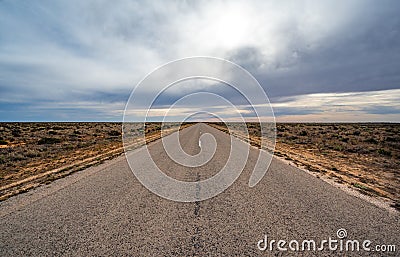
(105, 210)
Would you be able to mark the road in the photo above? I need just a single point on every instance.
(104, 210)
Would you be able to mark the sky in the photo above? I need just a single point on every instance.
(318, 61)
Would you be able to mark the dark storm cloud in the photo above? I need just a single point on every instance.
(362, 56)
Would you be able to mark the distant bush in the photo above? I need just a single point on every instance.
(392, 139)
(384, 152)
(114, 133)
(338, 148)
(58, 128)
(16, 133)
(49, 141)
(371, 140)
(303, 133)
(281, 129)
(3, 142)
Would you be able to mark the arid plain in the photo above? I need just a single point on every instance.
(364, 157)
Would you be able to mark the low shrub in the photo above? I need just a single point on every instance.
(371, 140)
(49, 141)
(385, 152)
(114, 133)
(303, 133)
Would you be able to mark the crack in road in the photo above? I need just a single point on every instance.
(196, 237)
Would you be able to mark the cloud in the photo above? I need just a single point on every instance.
(337, 107)
(97, 51)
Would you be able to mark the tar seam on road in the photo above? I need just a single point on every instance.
(196, 235)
